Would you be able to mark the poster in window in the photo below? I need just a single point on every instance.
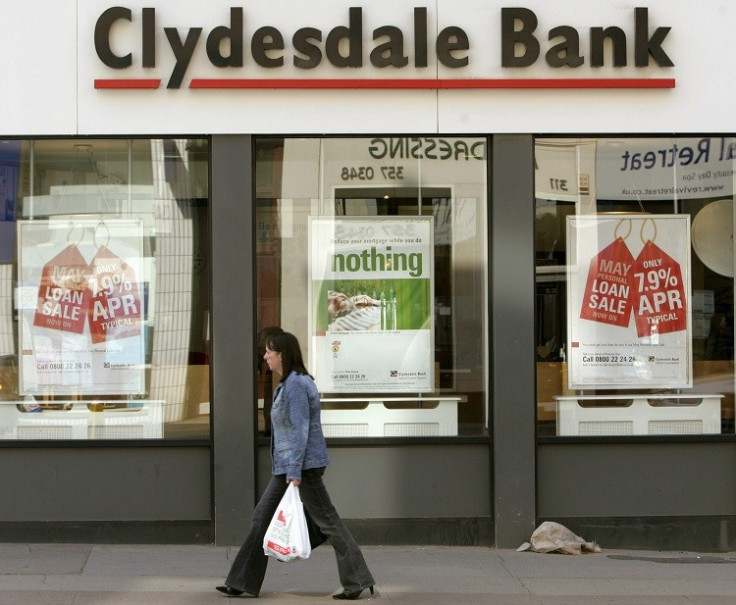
(371, 304)
(80, 306)
(629, 320)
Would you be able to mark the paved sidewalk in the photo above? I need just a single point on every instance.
(80, 574)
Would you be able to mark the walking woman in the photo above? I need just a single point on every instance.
(299, 455)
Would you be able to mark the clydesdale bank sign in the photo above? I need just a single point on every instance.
(245, 53)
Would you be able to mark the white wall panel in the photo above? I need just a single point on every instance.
(698, 43)
(38, 42)
(48, 50)
(261, 111)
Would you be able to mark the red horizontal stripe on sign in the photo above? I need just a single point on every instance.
(131, 83)
(219, 83)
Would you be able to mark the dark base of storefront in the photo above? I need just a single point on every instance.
(450, 532)
(108, 532)
(697, 534)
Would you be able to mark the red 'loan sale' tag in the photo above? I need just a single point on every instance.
(607, 297)
(63, 296)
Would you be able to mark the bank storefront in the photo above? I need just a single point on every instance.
(502, 235)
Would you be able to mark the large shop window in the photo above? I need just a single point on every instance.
(635, 286)
(373, 252)
(104, 330)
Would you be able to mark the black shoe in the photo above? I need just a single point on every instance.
(351, 596)
(233, 592)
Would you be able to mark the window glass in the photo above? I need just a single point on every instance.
(104, 330)
(634, 286)
(372, 251)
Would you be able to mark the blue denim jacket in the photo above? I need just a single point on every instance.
(298, 442)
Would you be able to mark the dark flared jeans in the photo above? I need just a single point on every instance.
(249, 567)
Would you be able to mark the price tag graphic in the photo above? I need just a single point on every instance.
(659, 299)
(63, 296)
(607, 297)
(116, 308)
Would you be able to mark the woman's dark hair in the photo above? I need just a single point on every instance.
(267, 332)
(263, 336)
(291, 355)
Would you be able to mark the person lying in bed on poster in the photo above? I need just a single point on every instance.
(354, 313)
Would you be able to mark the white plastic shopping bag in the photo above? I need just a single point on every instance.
(287, 537)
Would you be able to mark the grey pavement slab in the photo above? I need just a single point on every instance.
(174, 560)
(68, 574)
(49, 558)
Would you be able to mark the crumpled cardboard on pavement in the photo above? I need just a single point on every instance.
(554, 537)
